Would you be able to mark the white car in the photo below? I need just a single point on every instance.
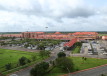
(105, 53)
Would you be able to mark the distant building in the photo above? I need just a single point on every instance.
(104, 37)
(56, 35)
(11, 35)
(43, 35)
(85, 35)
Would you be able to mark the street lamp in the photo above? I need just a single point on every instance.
(46, 28)
(68, 72)
(46, 31)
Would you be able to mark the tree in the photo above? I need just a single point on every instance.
(8, 66)
(84, 59)
(44, 53)
(34, 57)
(26, 45)
(61, 54)
(12, 38)
(28, 61)
(3, 43)
(47, 53)
(40, 69)
(41, 46)
(23, 61)
(78, 44)
(103, 75)
(64, 63)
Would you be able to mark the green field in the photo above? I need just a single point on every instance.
(12, 56)
(102, 34)
(76, 50)
(79, 65)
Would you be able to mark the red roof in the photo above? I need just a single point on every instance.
(69, 33)
(34, 32)
(39, 32)
(84, 33)
(71, 43)
(57, 33)
(12, 35)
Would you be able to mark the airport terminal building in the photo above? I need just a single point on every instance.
(61, 36)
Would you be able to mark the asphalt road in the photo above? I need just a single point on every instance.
(26, 71)
(92, 72)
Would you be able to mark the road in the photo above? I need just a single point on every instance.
(92, 72)
(25, 72)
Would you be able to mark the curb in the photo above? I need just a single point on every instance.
(20, 70)
(84, 70)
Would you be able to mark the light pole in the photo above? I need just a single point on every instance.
(68, 72)
(46, 31)
(46, 28)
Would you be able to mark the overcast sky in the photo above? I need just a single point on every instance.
(57, 15)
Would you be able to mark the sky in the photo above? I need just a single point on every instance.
(57, 15)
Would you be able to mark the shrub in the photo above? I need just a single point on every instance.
(23, 61)
(8, 66)
(40, 69)
(61, 54)
(64, 63)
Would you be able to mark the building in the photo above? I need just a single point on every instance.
(85, 35)
(11, 35)
(31, 34)
(56, 35)
(43, 35)
(61, 36)
(104, 37)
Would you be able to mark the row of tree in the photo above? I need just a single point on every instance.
(41, 44)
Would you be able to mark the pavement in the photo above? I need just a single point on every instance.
(91, 72)
(18, 48)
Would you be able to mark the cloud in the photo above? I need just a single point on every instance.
(66, 8)
(48, 8)
(58, 15)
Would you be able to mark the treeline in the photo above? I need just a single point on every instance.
(102, 32)
(10, 32)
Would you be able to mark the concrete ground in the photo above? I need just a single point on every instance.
(97, 47)
(18, 48)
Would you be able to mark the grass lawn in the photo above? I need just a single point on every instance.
(76, 50)
(102, 34)
(79, 65)
(56, 72)
(12, 56)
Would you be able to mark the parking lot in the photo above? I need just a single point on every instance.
(95, 47)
